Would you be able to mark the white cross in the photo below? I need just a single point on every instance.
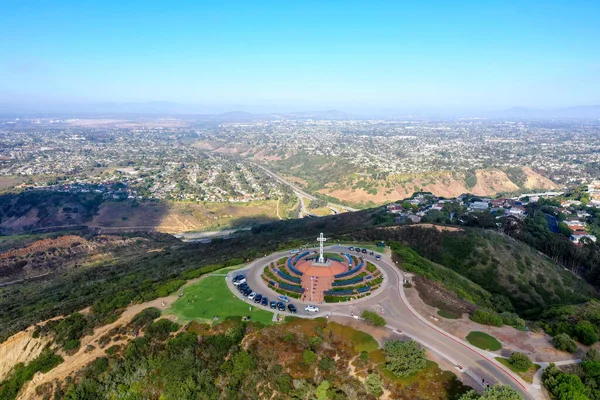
(321, 240)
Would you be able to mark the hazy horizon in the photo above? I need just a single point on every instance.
(308, 56)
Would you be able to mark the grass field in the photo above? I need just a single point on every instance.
(447, 315)
(484, 341)
(211, 296)
(526, 375)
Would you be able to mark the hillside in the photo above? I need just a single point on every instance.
(528, 281)
(47, 211)
(343, 181)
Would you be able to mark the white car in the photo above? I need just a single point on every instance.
(251, 296)
(311, 308)
(239, 281)
(284, 298)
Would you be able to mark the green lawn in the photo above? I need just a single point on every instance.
(211, 296)
(484, 341)
(447, 315)
(526, 375)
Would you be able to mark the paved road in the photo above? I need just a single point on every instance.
(391, 302)
(301, 193)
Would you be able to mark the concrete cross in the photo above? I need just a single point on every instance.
(321, 240)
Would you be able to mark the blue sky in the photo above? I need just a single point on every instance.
(304, 54)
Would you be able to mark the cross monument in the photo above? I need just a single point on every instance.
(321, 240)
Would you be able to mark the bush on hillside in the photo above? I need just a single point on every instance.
(563, 342)
(404, 358)
(373, 318)
(520, 361)
(486, 318)
(586, 333)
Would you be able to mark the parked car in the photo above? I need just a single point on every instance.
(248, 292)
(264, 301)
(357, 249)
(351, 248)
(284, 298)
(258, 298)
(251, 296)
(294, 251)
(364, 251)
(273, 305)
(280, 306)
(378, 257)
(292, 308)
(311, 308)
(238, 280)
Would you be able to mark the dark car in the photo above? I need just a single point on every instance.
(273, 305)
(258, 298)
(264, 301)
(243, 287)
(358, 249)
(364, 251)
(292, 308)
(281, 306)
(378, 257)
(247, 292)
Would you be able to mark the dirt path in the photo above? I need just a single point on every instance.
(278, 216)
(80, 359)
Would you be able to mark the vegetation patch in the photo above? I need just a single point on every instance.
(484, 341)
(211, 297)
(527, 373)
(448, 315)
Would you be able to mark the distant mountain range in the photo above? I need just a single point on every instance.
(246, 113)
(581, 112)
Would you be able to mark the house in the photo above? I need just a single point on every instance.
(479, 205)
(438, 207)
(516, 211)
(576, 237)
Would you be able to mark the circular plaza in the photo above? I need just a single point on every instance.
(338, 275)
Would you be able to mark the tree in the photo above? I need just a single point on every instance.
(374, 385)
(373, 318)
(592, 355)
(586, 333)
(563, 342)
(404, 358)
(496, 392)
(309, 357)
(314, 342)
(520, 361)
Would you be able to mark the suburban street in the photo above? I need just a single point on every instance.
(391, 303)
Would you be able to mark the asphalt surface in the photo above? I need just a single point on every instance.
(390, 302)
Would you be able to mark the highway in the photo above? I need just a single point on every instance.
(391, 302)
(302, 194)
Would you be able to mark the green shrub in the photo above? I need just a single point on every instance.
(373, 318)
(520, 361)
(404, 358)
(586, 333)
(161, 329)
(563, 342)
(309, 357)
(486, 318)
(374, 385)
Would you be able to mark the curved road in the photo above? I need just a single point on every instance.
(301, 193)
(391, 302)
